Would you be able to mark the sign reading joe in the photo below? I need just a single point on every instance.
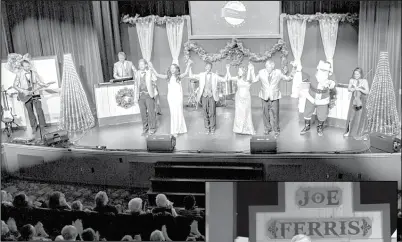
(318, 197)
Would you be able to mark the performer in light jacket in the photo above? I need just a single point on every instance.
(25, 79)
(144, 87)
(208, 95)
(270, 93)
(123, 68)
(319, 98)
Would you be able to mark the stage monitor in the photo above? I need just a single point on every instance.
(235, 19)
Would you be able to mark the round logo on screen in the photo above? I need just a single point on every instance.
(234, 13)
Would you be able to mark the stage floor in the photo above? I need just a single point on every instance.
(128, 136)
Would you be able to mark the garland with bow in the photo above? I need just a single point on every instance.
(14, 61)
(348, 17)
(235, 52)
(158, 20)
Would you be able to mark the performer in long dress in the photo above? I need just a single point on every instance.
(318, 98)
(357, 109)
(25, 80)
(270, 94)
(243, 121)
(208, 95)
(123, 68)
(175, 97)
(144, 91)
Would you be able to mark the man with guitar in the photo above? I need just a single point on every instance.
(28, 83)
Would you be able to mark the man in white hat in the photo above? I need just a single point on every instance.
(318, 98)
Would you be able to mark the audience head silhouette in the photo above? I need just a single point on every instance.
(69, 233)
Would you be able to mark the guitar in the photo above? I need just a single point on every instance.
(7, 113)
(25, 97)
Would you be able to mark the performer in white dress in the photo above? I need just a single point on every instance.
(175, 97)
(243, 122)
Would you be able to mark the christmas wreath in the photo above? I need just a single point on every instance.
(235, 52)
(125, 97)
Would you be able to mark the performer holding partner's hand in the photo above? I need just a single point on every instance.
(144, 91)
(243, 121)
(27, 83)
(270, 94)
(208, 95)
(175, 97)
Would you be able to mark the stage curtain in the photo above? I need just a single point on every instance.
(329, 35)
(106, 20)
(5, 34)
(45, 28)
(296, 32)
(145, 32)
(380, 30)
(159, 8)
(323, 6)
(174, 30)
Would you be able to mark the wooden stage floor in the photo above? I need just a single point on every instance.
(128, 136)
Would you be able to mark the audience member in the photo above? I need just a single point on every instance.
(301, 238)
(12, 226)
(6, 198)
(164, 205)
(77, 206)
(27, 233)
(69, 233)
(59, 238)
(127, 238)
(157, 235)
(89, 235)
(101, 204)
(190, 208)
(57, 200)
(21, 201)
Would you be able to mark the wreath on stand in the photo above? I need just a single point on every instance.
(125, 97)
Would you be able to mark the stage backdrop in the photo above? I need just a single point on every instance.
(345, 59)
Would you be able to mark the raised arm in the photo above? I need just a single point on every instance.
(228, 76)
(39, 80)
(186, 72)
(193, 76)
(251, 74)
(291, 75)
(153, 71)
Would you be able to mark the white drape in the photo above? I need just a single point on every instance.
(329, 34)
(174, 31)
(297, 32)
(145, 31)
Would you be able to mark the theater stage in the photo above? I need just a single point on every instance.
(128, 136)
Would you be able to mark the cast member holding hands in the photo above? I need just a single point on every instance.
(270, 94)
(144, 91)
(174, 97)
(243, 122)
(208, 95)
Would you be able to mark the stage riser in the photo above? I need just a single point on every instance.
(172, 186)
(178, 200)
(135, 169)
(209, 173)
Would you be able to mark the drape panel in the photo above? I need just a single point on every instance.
(44, 28)
(106, 21)
(380, 30)
(296, 32)
(145, 32)
(329, 35)
(174, 31)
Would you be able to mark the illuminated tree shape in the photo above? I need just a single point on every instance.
(382, 113)
(75, 113)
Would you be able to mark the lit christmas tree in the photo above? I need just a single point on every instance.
(75, 113)
(382, 114)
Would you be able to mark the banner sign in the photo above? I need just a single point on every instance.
(318, 197)
(319, 228)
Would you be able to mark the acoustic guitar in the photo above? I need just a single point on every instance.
(24, 98)
(7, 112)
